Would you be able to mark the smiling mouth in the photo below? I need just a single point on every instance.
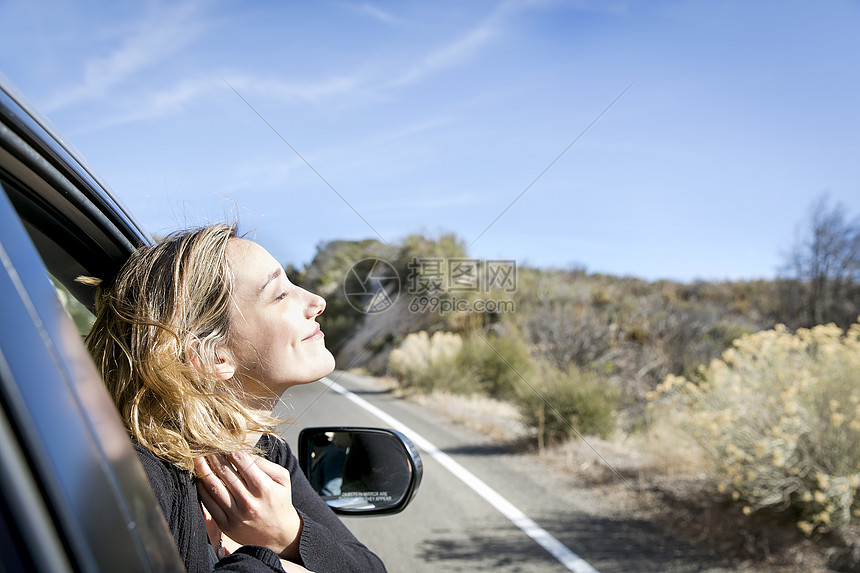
(318, 333)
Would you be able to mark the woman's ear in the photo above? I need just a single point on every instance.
(224, 366)
(223, 363)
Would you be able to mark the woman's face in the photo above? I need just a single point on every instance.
(276, 340)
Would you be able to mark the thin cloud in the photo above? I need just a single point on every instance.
(172, 100)
(462, 49)
(378, 14)
(291, 91)
(414, 129)
(155, 105)
(156, 39)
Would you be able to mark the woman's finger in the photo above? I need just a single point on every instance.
(211, 490)
(212, 477)
(247, 466)
(224, 469)
(211, 504)
(262, 469)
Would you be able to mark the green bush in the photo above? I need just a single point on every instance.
(494, 364)
(566, 404)
(779, 415)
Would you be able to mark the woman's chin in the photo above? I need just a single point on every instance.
(324, 368)
(328, 365)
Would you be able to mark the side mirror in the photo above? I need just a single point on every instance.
(360, 471)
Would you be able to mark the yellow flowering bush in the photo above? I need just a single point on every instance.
(779, 415)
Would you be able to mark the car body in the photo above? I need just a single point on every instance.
(73, 496)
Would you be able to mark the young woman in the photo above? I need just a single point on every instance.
(197, 338)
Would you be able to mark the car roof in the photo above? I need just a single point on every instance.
(75, 222)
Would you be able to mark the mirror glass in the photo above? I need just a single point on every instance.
(358, 470)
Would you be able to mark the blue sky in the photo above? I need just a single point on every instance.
(435, 117)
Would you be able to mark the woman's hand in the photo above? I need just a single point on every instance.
(251, 500)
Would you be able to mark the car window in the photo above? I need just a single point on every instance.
(64, 259)
(80, 314)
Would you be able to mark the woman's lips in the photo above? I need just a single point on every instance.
(318, 333)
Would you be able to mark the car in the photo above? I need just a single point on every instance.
(73, 496)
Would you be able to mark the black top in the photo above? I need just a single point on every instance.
(325, 544)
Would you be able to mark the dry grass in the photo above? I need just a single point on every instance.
(498, 420)
(662, 478)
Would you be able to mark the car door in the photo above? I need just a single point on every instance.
(73, 496)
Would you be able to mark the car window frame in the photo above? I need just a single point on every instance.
(68, 434)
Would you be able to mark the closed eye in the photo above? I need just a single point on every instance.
(281, 296)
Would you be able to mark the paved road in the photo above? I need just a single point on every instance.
(449, 527)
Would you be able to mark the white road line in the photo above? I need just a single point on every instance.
(556, 548)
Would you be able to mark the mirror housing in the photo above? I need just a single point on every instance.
(360, 471)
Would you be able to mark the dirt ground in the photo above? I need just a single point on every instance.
(667, 494)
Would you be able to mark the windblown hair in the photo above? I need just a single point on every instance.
(158, 326)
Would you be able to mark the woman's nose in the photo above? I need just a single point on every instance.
(316, 306)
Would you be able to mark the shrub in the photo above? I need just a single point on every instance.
(485, 364)
(780, 416)
(566, 404)
(426, 362)
(494, 364)
(566, 333)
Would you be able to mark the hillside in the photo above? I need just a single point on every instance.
(629, 332)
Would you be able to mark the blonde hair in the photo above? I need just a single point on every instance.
(169, 306)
